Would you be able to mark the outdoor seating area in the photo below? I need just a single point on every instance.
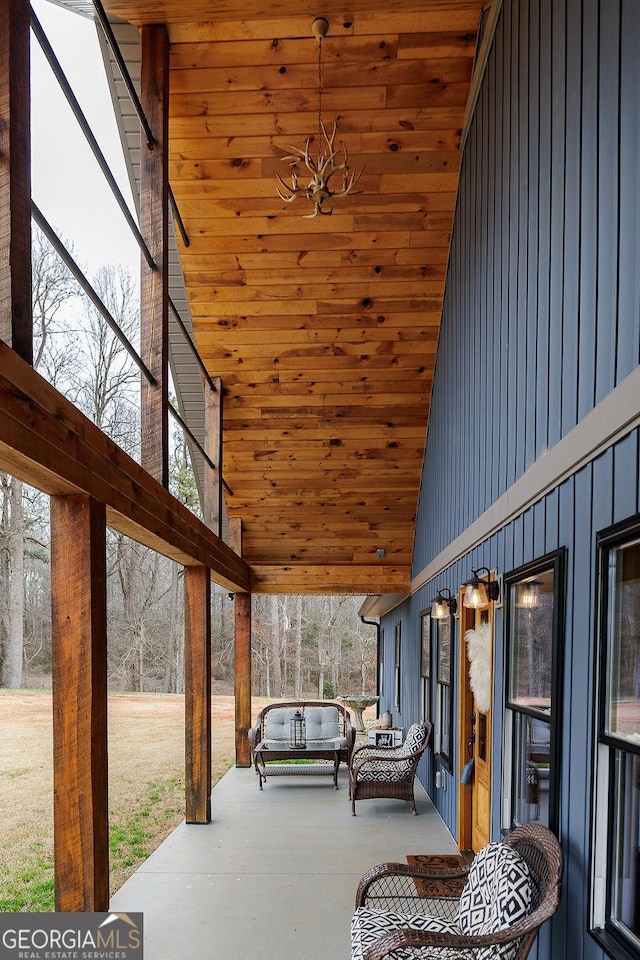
(249, 883)
(266, 860)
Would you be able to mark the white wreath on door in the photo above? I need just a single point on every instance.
(479, 654)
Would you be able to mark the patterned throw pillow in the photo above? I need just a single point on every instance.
(415, 738)
(367, 926)
(497, 894)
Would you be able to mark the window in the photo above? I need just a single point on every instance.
(616, 843)
(425, 664)
(396, 669)
(534, 597)
(444, 695)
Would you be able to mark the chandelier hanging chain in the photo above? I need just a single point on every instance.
(320, 79)
(322, 169)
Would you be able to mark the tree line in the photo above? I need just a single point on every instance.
(301, 645)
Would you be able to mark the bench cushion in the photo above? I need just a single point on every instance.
(367, 926)
(322, 723)
(278, 723)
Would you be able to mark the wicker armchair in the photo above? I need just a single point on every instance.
(417, 893)
(388, 772)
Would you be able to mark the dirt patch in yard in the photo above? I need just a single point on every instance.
(146, 784)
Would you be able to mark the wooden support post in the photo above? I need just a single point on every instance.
(213, 499)
(16, 324)
(197, 684)
(243, 677)
(154, 220)
(79, 651)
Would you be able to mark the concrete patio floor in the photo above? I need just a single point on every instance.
(274, 875)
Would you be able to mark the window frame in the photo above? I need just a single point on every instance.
(556, 563)
(444, 694)
(610, 752)
(425, 677)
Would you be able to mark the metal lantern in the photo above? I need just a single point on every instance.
(297, 731)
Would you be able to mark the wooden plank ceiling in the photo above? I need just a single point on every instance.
(323, 330)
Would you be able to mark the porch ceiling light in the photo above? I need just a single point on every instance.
(480, 591)
(444, 605)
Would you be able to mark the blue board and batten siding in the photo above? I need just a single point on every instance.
(541, 321)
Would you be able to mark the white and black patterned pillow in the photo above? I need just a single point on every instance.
(367, 926)
(497, 894)
(415, 738)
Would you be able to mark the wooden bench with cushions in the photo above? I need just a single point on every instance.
(324, 721)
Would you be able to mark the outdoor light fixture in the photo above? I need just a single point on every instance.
(327, 161)
(444, 605)
(297, 731)
(479, 591)
(528, 594)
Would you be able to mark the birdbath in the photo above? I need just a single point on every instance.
(358, 704)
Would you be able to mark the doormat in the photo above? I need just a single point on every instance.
(440, 861)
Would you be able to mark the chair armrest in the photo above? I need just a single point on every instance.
(350, 735)
(255, 736)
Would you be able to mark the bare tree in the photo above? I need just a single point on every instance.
(107, 376)
(55, 295)
(297, 647)
(274, 646)
(12, 577)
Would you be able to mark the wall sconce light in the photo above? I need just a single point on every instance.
(480, 591)
(528, 595)
(444, 605)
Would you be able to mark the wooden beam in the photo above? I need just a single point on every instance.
(235, 535)
(213, 499)
(243, 677)
(326, 578)
(154, 219)
(16, 325)
(197, 684)
(79, 674)
(47, 442)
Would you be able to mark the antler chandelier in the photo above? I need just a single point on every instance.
(327, 162)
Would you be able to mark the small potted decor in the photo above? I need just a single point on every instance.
(297, 731)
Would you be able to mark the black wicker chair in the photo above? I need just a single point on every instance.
(415, 890)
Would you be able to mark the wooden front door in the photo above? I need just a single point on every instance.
(474, 725)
